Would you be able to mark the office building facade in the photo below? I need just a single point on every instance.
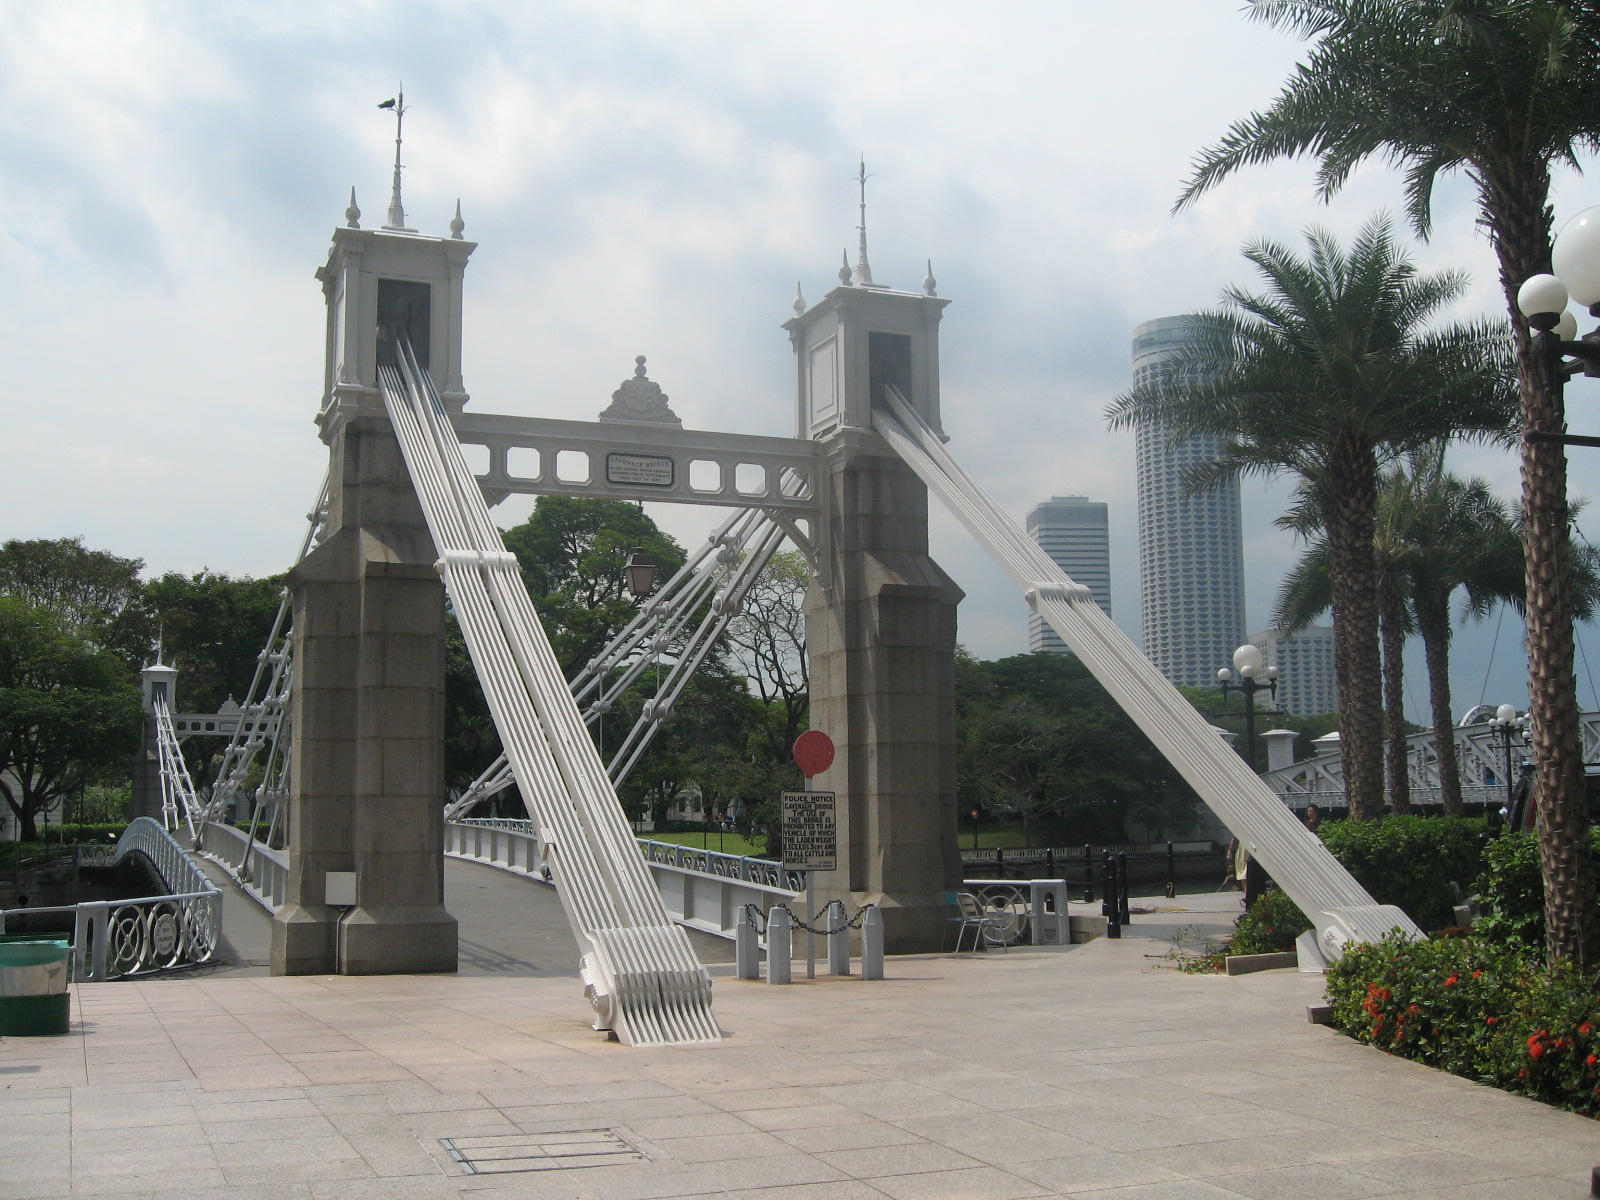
(1307, 683)
(1191, 548)
(1072, 530)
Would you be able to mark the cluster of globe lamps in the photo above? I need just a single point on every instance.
(1254, 676)
(1543, 299)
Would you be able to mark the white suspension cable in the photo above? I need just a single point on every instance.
(1296, 858)
(641, 973)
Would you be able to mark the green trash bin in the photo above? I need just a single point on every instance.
(34, 1001)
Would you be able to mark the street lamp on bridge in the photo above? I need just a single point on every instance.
(1249, 662)
(1509, 726)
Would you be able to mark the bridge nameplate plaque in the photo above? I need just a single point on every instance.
(810, 831)
(648, 469)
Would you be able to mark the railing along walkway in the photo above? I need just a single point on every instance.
(114, 939)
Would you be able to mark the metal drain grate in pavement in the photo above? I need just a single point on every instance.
(563, 1150)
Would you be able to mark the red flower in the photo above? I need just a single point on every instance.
(1489, 1021)
(1535, 1050)
(1590, 1061)
(1475, 974)
(1452, 981)
(1586, 1028)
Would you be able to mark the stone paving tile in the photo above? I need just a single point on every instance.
(800, 1116)
(973, 1183)
(1090, 1171)
(848, 1190)
(773, 1171)
(908, 1159)
(860, 1134)
(723, 1147)
(1313, 1181)
(1182, 1189)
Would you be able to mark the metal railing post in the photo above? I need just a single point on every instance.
(1108, 905)
(1172, 873)
(1088, 875)
(838, 939)
(1123, 916)
(780, 946)
(872, 944)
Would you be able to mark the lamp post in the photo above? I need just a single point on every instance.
(1248, 661)
(1508, 724)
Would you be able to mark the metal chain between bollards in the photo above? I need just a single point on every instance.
(849, 922)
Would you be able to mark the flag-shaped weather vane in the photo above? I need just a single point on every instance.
(397, 212)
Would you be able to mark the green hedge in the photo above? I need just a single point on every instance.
(1269, 927)
(1415, 863)
(103, 832)
(1512, 890)
(1480, 1009)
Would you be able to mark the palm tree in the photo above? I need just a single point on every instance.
(1499, 89)
(1305, 594)
(1324, 376)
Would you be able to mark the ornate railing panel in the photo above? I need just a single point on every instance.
(115, 939)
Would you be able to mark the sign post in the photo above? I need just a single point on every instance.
(811, 828)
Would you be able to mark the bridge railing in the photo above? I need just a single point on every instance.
(259, 870)
(114, 939)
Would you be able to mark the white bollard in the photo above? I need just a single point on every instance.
(872, 944)
(746, 947)
(779, 944)
(838, 939)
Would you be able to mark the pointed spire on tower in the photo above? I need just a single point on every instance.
(397, 212)
(863, 267)
(844, 271)
(930, 285)
(456, 223)
(352, 215)
(799, 300)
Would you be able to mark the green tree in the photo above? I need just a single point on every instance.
(767, 641)
(1325, 376)
(573, 551)
(214, 628)
(1499, 90)
(70, 713)
(95, 594)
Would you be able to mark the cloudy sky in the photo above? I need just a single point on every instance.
(642, 178)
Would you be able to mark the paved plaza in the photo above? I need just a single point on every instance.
(1093, 1071)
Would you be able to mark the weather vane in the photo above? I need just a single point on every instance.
(397, 212)
(863, 268)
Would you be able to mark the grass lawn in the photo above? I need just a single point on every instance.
(726, 843)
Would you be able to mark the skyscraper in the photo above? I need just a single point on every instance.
(1191, 550)
(1307, 684)
(1072, 531)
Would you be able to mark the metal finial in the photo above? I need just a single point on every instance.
(638, 366)
(863, 268)
(844, 271)
(456, 223)
(397, 212)
(799, 300)
(930, 285)
(352, 215)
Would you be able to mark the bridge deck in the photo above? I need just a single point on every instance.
(509, 925)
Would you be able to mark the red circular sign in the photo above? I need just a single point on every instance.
(813, 752)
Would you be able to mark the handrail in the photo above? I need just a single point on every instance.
(114, 939)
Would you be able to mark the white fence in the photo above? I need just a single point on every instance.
(260, 871)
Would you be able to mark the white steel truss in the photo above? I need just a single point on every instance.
(640, 972)
(1339, 906)
(178, 800)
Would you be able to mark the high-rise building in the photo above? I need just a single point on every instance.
(1307, 684)
(1191, 550)
(1072, 531)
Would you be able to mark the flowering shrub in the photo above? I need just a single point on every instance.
(1270, 927)
(1479, 1009)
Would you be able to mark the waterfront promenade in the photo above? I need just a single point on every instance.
(1094, 1071)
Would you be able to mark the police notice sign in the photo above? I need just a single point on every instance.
(810, 831)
